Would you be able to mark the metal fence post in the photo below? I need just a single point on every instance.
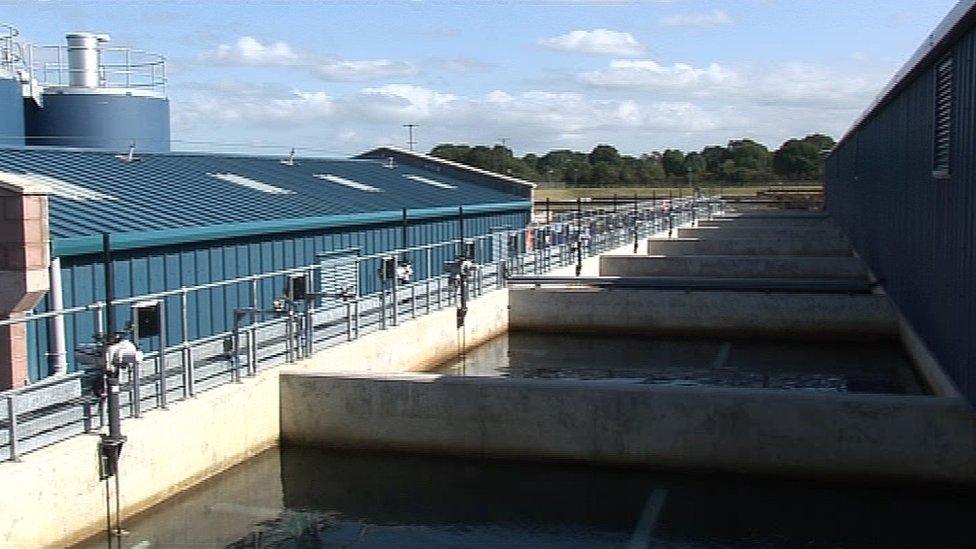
(86, 415)
(252, 348)
(12, 427)
(190, 376)
(186, 355)
(163, 402)
(396, 300)
(355, 316)
(135, 391)
(309, 315)
(428, 273)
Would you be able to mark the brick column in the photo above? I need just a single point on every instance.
(24, 259)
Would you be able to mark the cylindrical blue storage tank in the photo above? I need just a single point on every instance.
(100, 118)
(11, 114)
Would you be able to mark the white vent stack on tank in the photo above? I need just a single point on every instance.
(84, 59)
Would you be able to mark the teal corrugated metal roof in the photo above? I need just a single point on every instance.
(169, 198)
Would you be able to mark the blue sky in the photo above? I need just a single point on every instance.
(340, 77)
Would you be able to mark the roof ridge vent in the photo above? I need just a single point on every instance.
(131, 156)
(290, 161)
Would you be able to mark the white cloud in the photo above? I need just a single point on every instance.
(597, 41)
(249, 51)
(714, 18)
(372, 69)
(460, 64)
(647, 74)
(784, 84)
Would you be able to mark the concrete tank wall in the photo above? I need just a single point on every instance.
(739, 314)
(100, 120)
(734, 430)
(11, 114)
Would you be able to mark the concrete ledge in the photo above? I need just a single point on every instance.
(759, 233)
(760, 223)
(745, 246)
(774, 214)
(733, 266)
(702, 313)
(765, 431)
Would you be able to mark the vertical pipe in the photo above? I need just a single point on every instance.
(404, 237)
(548, 218)
(461, 227)
(109, 287)
(12, 427)
(579, 236)
(59, 356)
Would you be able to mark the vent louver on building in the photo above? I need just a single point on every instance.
(943, 116)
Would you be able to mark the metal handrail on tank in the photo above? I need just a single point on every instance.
(11, 50)
(118, 68)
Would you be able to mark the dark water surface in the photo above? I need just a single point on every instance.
(855, 367)
(304, 498)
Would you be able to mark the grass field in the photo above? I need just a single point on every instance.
(623, 192)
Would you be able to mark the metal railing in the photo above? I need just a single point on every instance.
(118, 67)
(178, 368)
(11, 50)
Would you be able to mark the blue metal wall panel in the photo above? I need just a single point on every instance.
(103, 121)
(11, 113)
(143, 271)
(917, 232)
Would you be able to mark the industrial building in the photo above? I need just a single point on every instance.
(178, 220)
(902, 185)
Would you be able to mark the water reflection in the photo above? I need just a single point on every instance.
(312, 498)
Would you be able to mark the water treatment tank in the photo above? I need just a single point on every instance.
(100, 97)
(11, 102)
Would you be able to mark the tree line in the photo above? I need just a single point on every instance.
(740, 161)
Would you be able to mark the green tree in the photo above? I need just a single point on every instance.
(696, 162)
(604, 153)
(714, 155)
(673, 162)
(821, 141)
(797, 159)
(750, 155)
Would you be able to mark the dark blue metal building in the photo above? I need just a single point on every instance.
(179, 220)
(902, 184)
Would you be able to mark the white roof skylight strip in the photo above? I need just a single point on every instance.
(58, 187)
(250, 183)
(429, 181)
(348, 183)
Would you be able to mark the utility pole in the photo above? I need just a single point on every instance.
(501, 161)
(410, 140)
